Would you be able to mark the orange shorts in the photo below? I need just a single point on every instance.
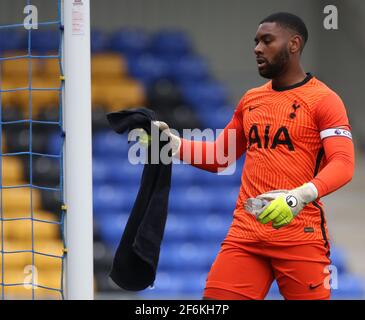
(245, 269)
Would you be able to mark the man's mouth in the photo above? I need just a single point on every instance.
(261, 62)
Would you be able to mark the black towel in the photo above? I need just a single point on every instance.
(136, 259)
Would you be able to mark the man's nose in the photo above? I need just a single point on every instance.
(258, 49)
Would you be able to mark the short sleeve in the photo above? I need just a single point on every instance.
(331, 113)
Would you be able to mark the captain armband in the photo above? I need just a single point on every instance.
(335, 132)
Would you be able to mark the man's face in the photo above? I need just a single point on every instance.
(271, 50)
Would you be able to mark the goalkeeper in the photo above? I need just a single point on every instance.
(296, 135)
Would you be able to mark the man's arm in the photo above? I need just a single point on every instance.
(335, 131)
(340, 155)
(218, 155)
(215, 155)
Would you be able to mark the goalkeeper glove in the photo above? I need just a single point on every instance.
(145, 139)
(175, 141)
(285, 205)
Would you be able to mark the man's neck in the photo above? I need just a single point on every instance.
(290, 77)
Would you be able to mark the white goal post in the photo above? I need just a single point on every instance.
(77, 150)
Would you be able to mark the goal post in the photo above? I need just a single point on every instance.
(77, 150)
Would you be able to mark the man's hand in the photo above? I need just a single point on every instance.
(174, 139)
(285, 205)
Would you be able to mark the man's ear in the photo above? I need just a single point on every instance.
(295, 44)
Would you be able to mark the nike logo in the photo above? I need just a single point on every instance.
(251, 108)
(312, 287)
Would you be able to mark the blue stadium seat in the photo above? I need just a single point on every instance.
(178, 284)
(189, 199)
(349, 286)
(202, 226)
(224, 198)
(117, 172)
(125, 173)
(203, 177)
(182, 174)
(165, 285)
(338, 259)
(189, 69)
(100, 170)
(218, 118)
(45, 40)
(212, 227)
(129, 41)
(54, 144)
(212, 93)
(187, 256)
(204, 107)
(148, 68)
(111, 227)
(170, 43)
(194, 283)
(178, 228)
(12, 40)
(109, 198)
(109, 143)
(231, 176)
(98, 41)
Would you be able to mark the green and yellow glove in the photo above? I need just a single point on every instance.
(285, 205)
(145, 139)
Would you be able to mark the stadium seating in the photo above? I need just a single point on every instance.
(164, 94)
(170, 43)
(108, 66)
(338, 259)
(19, 69)
(11, 40)
(130, 42)
(110, 226)
(211, 93)
(19, 276)
(99, 41)
(148, 68)
(118, 95)
(45, 40)
(189, 69)
(12, 171)
(49, 68)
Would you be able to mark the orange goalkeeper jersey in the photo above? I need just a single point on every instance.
(283, 132)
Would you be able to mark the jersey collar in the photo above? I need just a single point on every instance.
(296, 85)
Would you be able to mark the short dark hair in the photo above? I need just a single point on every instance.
(290, 21)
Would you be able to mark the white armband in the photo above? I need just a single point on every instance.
(335, 132)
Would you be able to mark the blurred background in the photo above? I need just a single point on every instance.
(189, 61)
